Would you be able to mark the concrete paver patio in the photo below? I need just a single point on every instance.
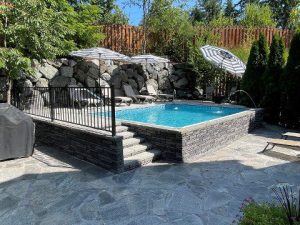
(56, 189)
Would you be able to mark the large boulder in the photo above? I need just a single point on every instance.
(72, 63)
(163, 80)
(133, 84)
(123, 75)
(181, 83)
(56, 63)
(140, 81)
(61, 81)
(66, 71)
(48, 71)
(105, 76)
(102, 83)
(42, 83)
(117, 81)
(34, 77)
(80, 75)
(90, 82)
(93, 73)
(111, 69)
(153, 83)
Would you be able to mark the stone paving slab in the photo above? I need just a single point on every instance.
(53, 188)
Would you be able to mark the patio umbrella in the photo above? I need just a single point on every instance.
(224, 59)
(99, 53)
(148, 59)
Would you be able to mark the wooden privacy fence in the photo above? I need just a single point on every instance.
(130, 39)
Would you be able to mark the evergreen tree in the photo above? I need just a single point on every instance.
(290, 105)
(206, 10)
(282, 11)
(252, 81)
(229, 10)
(272, 76)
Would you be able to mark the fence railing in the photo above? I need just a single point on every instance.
(90, 107)
(130, 39)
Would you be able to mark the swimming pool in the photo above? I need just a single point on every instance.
(176, 115)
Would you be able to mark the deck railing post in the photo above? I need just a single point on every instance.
(51, 102)
(113, 110)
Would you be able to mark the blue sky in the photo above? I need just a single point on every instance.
(135, 13)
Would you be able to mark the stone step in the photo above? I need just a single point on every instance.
(132, 141)
(126, 134)
(141, 159)
(121, 129)
(136, 149)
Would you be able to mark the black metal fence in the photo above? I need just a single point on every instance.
(90, 107)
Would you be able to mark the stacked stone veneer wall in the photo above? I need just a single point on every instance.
(84, 143)
(188, 143)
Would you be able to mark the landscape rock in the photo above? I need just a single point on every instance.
(80, 75)
(36, 75)
(42, 83)
(112, 68)
(102, 83)
(48, 71)
(61, 81)
(64, 61)
(181, 83)
(106, 76)
(72, 63)
(123, 75)
(90, 82)
(66, 71)
(116, 80)
(140, 81)
(153, 83)
(93, 73)
(3, 82)
(133, 84)
(56, 63)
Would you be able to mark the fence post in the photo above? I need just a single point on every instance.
(51, 102)
(113, 110)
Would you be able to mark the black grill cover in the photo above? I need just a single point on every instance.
(16, 133)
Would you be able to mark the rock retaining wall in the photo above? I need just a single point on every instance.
(63, 72)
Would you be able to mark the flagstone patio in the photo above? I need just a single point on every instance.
(53, 188)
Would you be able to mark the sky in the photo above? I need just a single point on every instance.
(135, 13)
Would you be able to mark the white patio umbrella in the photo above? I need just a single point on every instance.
(148, 59)
(99, 53)
(224, 59)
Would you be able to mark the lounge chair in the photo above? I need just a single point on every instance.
(118, 99)
(152, 92)
(290, 134)
(130, 93)
(83, 97)
(280, 142)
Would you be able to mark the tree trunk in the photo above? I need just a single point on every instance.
(9, 88)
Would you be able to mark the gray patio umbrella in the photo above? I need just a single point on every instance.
(99, 53)
(148, 59)
(224, 59)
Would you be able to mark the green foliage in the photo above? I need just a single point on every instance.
(172, 27)
(86, 32)
(242, 52)
(256, 15)
(290, 114)
(206, 72)
(117, 16)
(252, 81)
(229, 10)
(283, 11)
(272, 81)
(206, 10)
(263, 214)
(12, 62)
(221, 21)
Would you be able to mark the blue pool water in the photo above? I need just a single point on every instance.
(175, 115)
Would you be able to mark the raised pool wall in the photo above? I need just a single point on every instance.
(188, 143)
(85, 143)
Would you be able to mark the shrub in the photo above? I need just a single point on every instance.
(262, 214)
(271, 101)
(256, 66)
(290, 104)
